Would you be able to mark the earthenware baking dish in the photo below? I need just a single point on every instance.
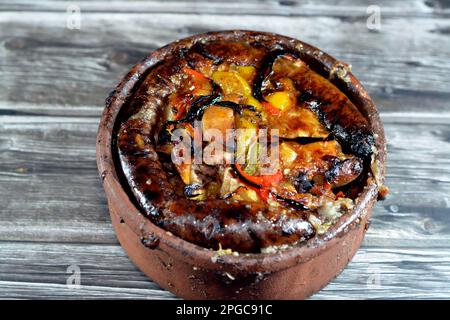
(197, 272)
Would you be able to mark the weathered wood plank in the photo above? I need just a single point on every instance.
(338, 8)
(46, 64)
(35, 290)
(48, 166)
(29, 270)
(51, 162)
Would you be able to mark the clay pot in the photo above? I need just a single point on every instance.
(193, 272)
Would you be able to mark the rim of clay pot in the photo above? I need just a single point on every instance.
(338, 73)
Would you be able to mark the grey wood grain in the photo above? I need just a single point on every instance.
(405, 63)
(337, 8)
(105, 272)
(53, 81)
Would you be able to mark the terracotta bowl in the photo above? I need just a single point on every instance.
(193, 272)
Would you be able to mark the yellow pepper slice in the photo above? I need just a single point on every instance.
(246, 72)
(232, 83)
(280, 100)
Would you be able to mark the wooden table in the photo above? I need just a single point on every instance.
(53, 82)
